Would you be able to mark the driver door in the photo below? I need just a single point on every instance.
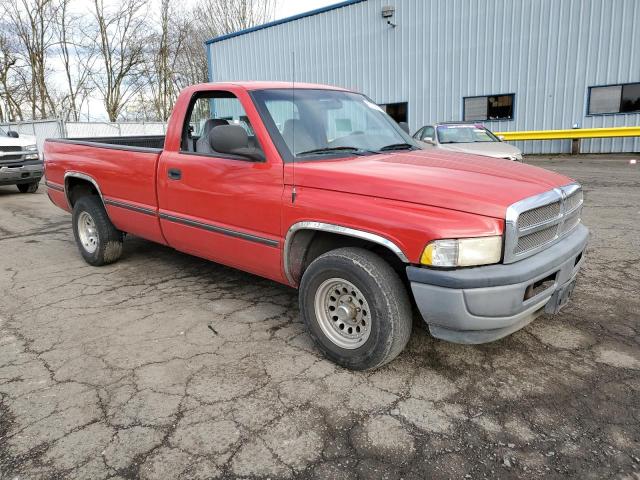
(222, 207)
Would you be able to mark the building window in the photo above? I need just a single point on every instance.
(623, 98)
(488, 107)
(397, 111)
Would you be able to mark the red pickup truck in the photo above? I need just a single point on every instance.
(317, 188)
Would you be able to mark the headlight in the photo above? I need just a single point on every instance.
(464, 252)
(31, 156)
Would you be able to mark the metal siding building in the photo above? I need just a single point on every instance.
(546, 52)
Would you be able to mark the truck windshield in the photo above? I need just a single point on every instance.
(465, 134)
(2, 133)
(309, 123)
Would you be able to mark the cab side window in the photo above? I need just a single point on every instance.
(208, 111)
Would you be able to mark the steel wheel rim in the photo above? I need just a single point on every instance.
(343, 313)
(87, 232)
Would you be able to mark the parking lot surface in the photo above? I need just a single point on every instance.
(166, 366)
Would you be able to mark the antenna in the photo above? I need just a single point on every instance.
(293, 116)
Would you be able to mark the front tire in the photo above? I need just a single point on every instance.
(31, 187)
(99, 242)
(356, 308)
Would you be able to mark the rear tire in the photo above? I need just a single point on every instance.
(99, 242)
(356, 308)
(31, 187)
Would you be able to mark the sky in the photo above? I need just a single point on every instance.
(286, 8)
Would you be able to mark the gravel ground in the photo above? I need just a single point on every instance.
(166, 366)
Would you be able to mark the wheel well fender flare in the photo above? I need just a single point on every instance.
(289, 254)
(85, 178)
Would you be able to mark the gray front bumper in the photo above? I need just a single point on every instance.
(23, 174)
(482, 304)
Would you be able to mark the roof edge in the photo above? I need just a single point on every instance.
(292, 18)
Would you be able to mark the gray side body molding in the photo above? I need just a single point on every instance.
(331, 228)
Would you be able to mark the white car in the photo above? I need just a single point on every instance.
(20, 163)
(467, 138)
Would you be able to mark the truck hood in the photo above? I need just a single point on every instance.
(21, 141)
(490, 149)
(468, 183)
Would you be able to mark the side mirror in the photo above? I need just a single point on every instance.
(233, 139)
(405, 126)
(429, 140)
(12, 134)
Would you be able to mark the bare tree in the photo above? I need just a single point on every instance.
(167, 45)
(10, 104)
(35, 34)
(208, 19)
(225, 16)
(164, 88)
(78, 59)
(137, 62)
(31, 21)
(177, 56)
(191, 64)
(121, 37)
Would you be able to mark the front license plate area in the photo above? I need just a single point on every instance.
(561, 297)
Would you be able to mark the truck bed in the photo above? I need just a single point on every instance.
(123, 170)
(136, 142)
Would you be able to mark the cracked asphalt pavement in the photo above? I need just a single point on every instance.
(166, 366)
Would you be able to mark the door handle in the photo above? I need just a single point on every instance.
(174, 174)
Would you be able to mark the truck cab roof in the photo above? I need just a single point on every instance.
(265, 85)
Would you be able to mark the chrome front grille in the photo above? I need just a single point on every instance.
(539, 215)
(537, 222)
(574, 201)
(532, 240)
(7, 153)
(572, 220)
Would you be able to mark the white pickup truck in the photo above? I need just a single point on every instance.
(20, 163)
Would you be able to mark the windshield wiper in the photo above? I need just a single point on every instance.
(325, 150)
(397, 146)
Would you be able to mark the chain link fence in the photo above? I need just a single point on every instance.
(43, 129)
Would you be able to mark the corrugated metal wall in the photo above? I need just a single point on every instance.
(547, 52)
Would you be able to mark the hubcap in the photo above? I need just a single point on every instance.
(343, 313)
(87, 232)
